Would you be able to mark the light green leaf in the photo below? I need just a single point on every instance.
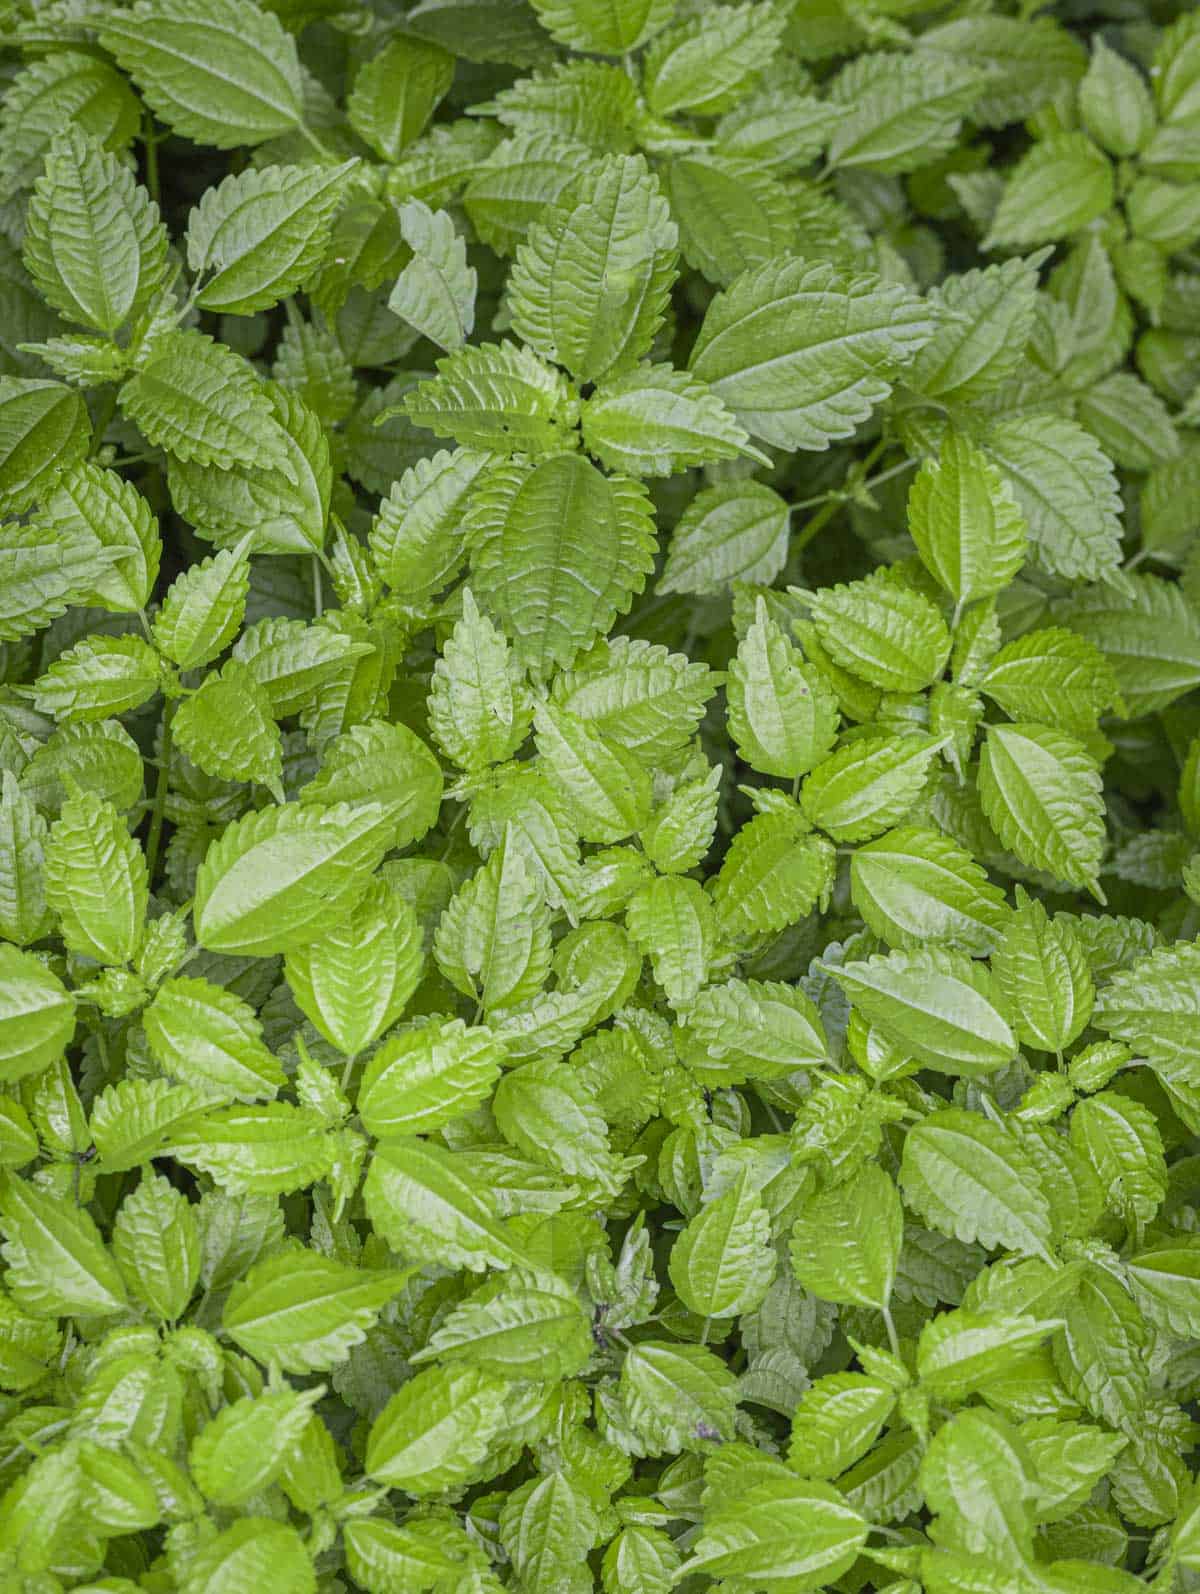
(733, 531)
(754, 1029)
(306, 1311)
(90, 503)
(903, 111)
(961, 1352)
(773, 875)
(293, 661)
(203, 609)
(655, 421)
(381, 764)
(427, 1203)
(546, 1111)
(254, 1551)
(227, 729)
(802, 353)
(245, 1446)
(257, 236)
(435, 293)
(1044, 975)
(869, 784)
(436, 1430)
(134, 1119)
(257, 1150)
(418, 538)
(703, 64)
(1041, 791)
(157, 1247)
(1056, 189)
(782, 717)
(640, 696)
(846, 1241)
(493, 942)
(640, 1560)
(47, 92)
(680, 832)
(1121, 1139)
(1100, 1353)
(915, 885)
(604, 27)
(1053, 676)
(787, 1536)
(93, 242)
(44, 430)
(1150, 633)
(1166, 1284)
(607, 791)
(479, 709)
(517, 1325)
(221, 72)
(24, 916)
(882, 632)
(97, 679)
(965, 521)
(57, 1260)
(211, 1040)
(396, 91)
(968, 1176)
(96, 881)
(678, 1396)
(558, 552)
(722, 1263)
(1067, 491)
(731, 217)
(355, 980)
(837, 1422)
(499, 397)
(980, 343)
(278, 879)
(424, 1077)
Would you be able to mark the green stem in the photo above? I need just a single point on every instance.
(893, 1337)
(154, 839)
(151, 143)
(311, 138)
(810, 529)
(347, 1071)
(318, 590)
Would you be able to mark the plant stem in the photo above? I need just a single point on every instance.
(810, 529)
(154, 838)
(893, 1337)
(105, 410)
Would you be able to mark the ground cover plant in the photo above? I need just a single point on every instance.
(599, 796)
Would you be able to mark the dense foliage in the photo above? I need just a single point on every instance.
(600, 756)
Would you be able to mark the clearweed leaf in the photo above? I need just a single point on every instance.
(782, 717)
(1052, 675)
(57, 1260)
(730, 216)
(417, 538)
(885, 633)
(837, 1422)
(961, 1352)
(802, 353)
(846, 1242)
(754, 1028)
(1056, 189)
(219, 72)
(748, 1536)
(558, 551)
(479, 709)
(655, 421)
(902, 111)
(499, 397)
(425, 1202)
(43, 432)
(703, 64)
(601, 27)
(1122, 1141)
(722, 1263)
(1099, 1352)
(435, 293)
(590, 283)
(93, 243)
(868, 784)
(1041, 792)
(1149, 631)
(733, 531)
(276, 879)
(1043, 973)
(980, 343)
(426, 1076)
(96, 883)
(965, 522)
(257, 236)
(100, 678)
(517, 1324)
(157, 1247)
(253, 1549)
(638, 695)
(227, 729)
(436, 1430)
(244, 1447)
(257, 1150)
(91, 506)
(23, 909)
(493, 942)
(607, 792)
(773, 875)
(967, 1176)
(211, 1040)
(381, 765)
(680, 832)
(396, 91)
(46, 93)
(914, 885)
(677, 1396)
(305, 1311)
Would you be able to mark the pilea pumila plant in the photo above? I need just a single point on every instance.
(599, 796)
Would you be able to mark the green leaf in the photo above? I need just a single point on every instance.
(253, 1551)
(733, 531)
(782, 717)
(869, 784)
(244, 1448)
(1100, 1353)
(703, 65)
(558, 551)
(655, 421)
(640, 1560)
(722, 1263)
(678, 1397)
(638, 695)
(1041, 791)
(802, 353)
(604, 27)
(203, 609)
(96, 883)
(590, 284)
(1149, 632)
(497, 396)
(157, 1247)
(1121, 1139)
(257, 1150)
(480, 711)
(680, 831)
(227, 729)
(417, 538)
(1044, 975)
(201, 402)
(278, 879)
(1056, 189)
(93, 242)
(221, 72)
(24, 915)
(97, 679)
(882, 632)
(424, 1077)
(493, 942)
(980, 343)
(730, 217)
(902, 111)
(48, 92)
(304, 1311)
(788, 1535)
(211, 1040)
(43, 432)
(1166, 1284)
(436, 1430)
(773, 875)
(961, 1352)
(965, 521)
(607, 792)
(846, 1241)
(91, 506)
(837, 1421)
(256, 237)
(435, 293)
(354, 981)
(968, 1176)
(396, 91)
(758, 1029)
(381, 765)
(1065, 487)
(915, 885)
(427, 1203)
(517, 1325)
(57, 1260)
(1052, 676)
